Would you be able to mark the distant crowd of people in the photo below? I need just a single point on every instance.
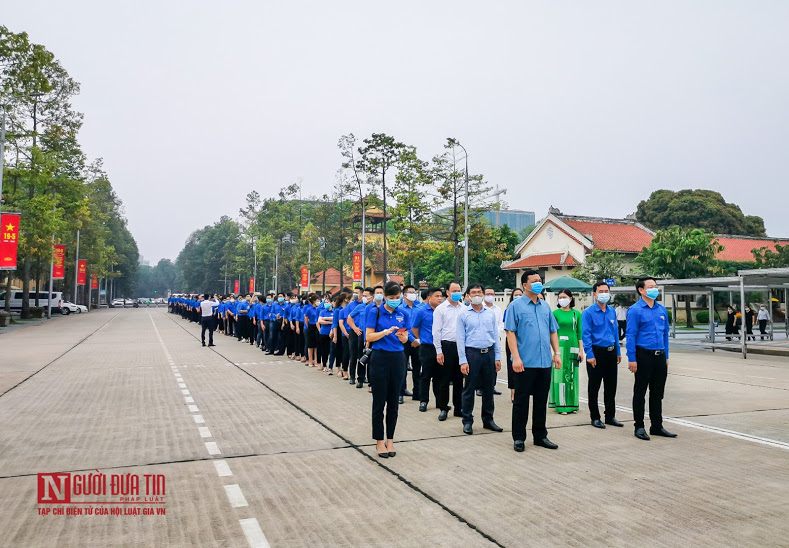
(451, 340)
(734, 322)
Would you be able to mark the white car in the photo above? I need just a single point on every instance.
(67, 308)
(118, 302)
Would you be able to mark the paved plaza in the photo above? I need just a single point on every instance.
(260, 451)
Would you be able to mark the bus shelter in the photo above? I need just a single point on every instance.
(772, 282)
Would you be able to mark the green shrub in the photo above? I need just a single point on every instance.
(36, 312)
(670, 319)
(703, 316)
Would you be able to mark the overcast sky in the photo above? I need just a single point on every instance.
(587, 106)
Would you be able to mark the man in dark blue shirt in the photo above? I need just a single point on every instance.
(603, 354)
(647, 354)
(422, 328)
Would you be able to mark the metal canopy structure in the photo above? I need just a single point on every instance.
(774, 282)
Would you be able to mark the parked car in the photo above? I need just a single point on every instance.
(117, 303)
(43, 299)
(67, 308)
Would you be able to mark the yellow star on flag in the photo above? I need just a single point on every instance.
(10, 227)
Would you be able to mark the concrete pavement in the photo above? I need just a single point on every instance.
(260, 451)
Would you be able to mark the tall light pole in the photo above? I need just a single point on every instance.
(465, 216)
(255, 270)
(76, 270)
(2, 156)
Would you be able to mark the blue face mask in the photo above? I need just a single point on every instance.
(393, 303)
(653, 293)
(536, 287)
(516, 297)
(379, 297)
(603, 298)
(327, 305)
(268, 301)
(280, 299)
(457, 296)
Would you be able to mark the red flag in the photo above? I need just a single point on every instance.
(9, 240)
(305, 277)
(94, 282)
(82, 271)
(59, 267)
(236, 288)
(252, 285)
(357, 267)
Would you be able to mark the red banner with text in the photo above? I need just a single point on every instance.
(9, 240)
(305, 277)
(82, 272)
(94, 282)
(59, 267)
(236, 287)
(357, 267)
(252, 285)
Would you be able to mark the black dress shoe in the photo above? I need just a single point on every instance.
(443, 415)
(211, 344)
(661, 432)
(496, 392)
(407, 393)
(613, 422)
(545, 442)
(493, 426)
(641, 434)
(519, 446)
(597, 423)
(400, 400)
(203, 344)
(359, 384)
(479, 392)
(383, 455)
(423, 407)
(392, 453)
(467, 429)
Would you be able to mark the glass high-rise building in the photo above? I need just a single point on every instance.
(516, 219)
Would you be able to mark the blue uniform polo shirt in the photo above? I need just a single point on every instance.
(398, 318)
(532, 324)
(646, 327)
(599, 329)
(325, 329)
(311, 314)
(423, 320)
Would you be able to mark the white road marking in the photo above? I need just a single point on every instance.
(254, 534)
(181, 385)
(706, 428)
(222, 468)
(204, 432)
(235, 496)
(198, 419)
(189, 399)
(213, 448)
(193, 409)
(185, 392)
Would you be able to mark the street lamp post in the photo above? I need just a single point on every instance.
(465, 218)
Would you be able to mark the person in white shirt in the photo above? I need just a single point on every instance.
(207, 308)
(445, 322)
(621, 320)
(763, 317)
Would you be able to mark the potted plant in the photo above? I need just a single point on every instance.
(5, 318)
(36, 312)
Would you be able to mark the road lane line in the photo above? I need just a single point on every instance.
(204, 432)
(222, 468)
(181, 385)
(185, 392)
(253, 532)
(235, 496)
(193, 409)
(189, 399)
(198, 419)
(212, 448)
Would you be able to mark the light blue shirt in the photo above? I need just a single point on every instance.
(477, 330)
(532, 324)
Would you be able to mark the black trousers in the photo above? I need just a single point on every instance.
(651, 373)
(622, 328)
(324, 347)
(346, 351)
(273, 337)
(298, 347)
(361, 369)
(604, 372)
(432, 371)
(229, 325)
(386, 375)
(481, 375)
(283, 338)
(450, 349)
(534, 383)
(412, 353)
(290, 338)
(353, 352)
(763, 328)
(208, 324)
(242, 327)
(510, 372)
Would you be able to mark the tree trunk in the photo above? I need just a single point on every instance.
(26, 288)
(688, 315)
(7, 305)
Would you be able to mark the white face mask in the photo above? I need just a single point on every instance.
(411, 297)
(476, 300)
(379, 297)
(564, 301)
(489, 299)
(365, 300)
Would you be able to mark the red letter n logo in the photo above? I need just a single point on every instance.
(54, 488)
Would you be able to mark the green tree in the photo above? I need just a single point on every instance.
(705, 209)
(680, 253)
(767, 258)
(600, 265)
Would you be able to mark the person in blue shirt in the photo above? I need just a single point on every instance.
(298, 342)
(647, 354)
(311, 325)
(325, 319)
(531, 334)
(517, 293)
(286, 346)
(336, 353)
(412, 304)
(479, 354)
(603, 354)
(242, 313)
(356, 331)
(344, 331)
(275, 325)
(387, 332)
(253, 320)
(422, 328)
